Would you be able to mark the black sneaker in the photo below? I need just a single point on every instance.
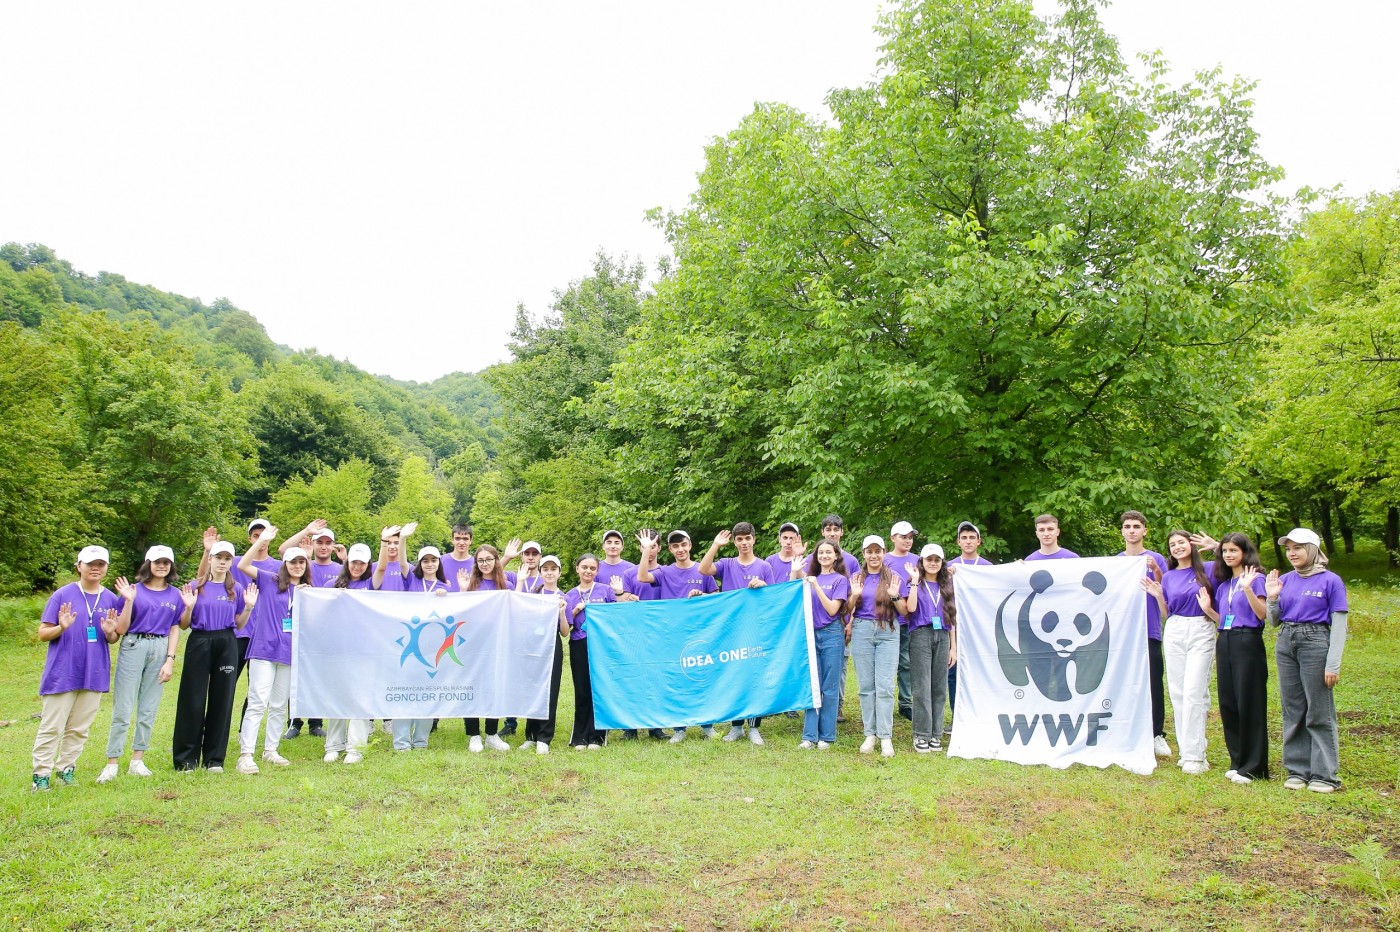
(907, 713)
(629, 734)
(659, 735)
(922, 746)
(317, 731)
(508, 728)
(934, 744)
(292, 732)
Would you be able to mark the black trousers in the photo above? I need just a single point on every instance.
(314, 723)
(542, 730)
(473, 726)
(242, 645)
(207, 684)
(1242, 683)
(1154, 687)
(584, 732)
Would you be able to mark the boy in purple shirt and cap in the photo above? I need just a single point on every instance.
(80, 625)
(900, 557)
(743, 571)
(681, 580)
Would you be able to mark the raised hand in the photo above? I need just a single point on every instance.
(250, 595)
(66, 616)
(109, 622)
(339, 551)
(1151, 586)
(914, 571)
(463, 578)
(124, 589)
(1247, 576)
(723, 538)
(1155, 569)
(267, 535)
(389, 532)
(407, 530)
(1204, 542)
(1273, 585)
(211, 537)
(894, 589)
(1203, 598)
(187, 595)
(512, 550)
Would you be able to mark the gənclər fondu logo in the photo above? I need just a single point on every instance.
(432, 637)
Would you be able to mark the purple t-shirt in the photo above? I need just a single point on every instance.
(524, 583)
(450, 565)
(674, 582)
(606, 571)
(1154, 613)
(1061, 554)
(733, 575)
(324, 575)
(929, 610)
(411, 583)
(782, 569)
(595, 593)
(271, 621)
(959, 560)
(1306, 600)
(79, 658)
(155, 611)
(214, 609)
(271, 564)
(393, 576)
(1232, 604)
(850, 563)
(865, 600)
(489, 585)
(365, 583)
(1179, 588)
(837, 588)
(646, 592)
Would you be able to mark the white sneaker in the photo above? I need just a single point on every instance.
(541, 747)
(475, 745)
(823, 745)
(1194, 767)
(331, 757)
(1295, 783)
(353, 757)
(1160, 747)
(869, 745)
(272, 757)
(595, 747)
(886, 747)
(678, 737)
(138, 768)
(806, 745)
(1230, 774)
(1242, 779)
(108, 774)
(215, 769)
(755, 737)
(709, 731)
(1321, 786)
(735, 733)
(246, 764)
(495, 743)
(527, 745)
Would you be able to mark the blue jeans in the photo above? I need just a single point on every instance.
(875, 651)
(820, 724)
(411, 733)
(1309, 711)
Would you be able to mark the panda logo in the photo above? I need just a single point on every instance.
(1050, 643)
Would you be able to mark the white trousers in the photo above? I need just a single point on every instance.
(1188, 653)
(347, 734)
(269, 686)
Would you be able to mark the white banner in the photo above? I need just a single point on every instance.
(1052, 664)
(360, 654)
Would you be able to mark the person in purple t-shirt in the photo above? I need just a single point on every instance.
(791, 552)
(153, 611)
(969, 547)
(680, 580)
(829, 589)
(1134, 530)
(1237, 608)
(1188, 644)
(900, 557)
(734, 573)
(872, 622)
(461, 556)
(1310, 604)
(1047, 531)
(588, 592)
(539, 732)
(488, 574)
(324, 572)
(392, 565)
(833, 529)
(933, 642)
(207, 682)
(80, 625)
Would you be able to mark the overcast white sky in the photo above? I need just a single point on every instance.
(384, 182)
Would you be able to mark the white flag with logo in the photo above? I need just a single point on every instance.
(363, 654)
(1052, 664)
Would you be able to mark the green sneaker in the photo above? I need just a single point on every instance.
(41, 784)
(67, 778)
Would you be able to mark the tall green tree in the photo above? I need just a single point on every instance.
(1007, 277)
(340, 495)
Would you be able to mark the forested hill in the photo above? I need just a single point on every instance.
(133, 414)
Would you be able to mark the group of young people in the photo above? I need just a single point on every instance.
(889, 609)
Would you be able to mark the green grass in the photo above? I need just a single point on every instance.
(706, 835)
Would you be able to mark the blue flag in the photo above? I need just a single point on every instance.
(714, 658)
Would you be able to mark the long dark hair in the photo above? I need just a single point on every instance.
(1249, 554)
(1202, 577)
(944, 578)
(815, 569)
(284, 578)
(344, 580)
(498, 572)
(884, 608)
(143, 574)
(418, 570)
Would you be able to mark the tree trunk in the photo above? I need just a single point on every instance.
(1348, 532)
(1392, 535)
(1274, 535)
(1324, 529)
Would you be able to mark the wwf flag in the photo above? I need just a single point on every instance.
(1052, 664)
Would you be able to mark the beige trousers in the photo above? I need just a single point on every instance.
(63, 729)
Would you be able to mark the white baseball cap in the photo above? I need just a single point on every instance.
(293, 553)
(931, 550)
(789, 526)
(358, 552)
(531, 545)
(324, 532)
(676, 535)
(429, 552)
(258, 522)
(1301, 535)
(160, 552)
(551, 559)
(94, 554)
(902, 527)
(610, 533)
(873, 540)
(222, 546)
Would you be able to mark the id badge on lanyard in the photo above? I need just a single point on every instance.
(287, 621)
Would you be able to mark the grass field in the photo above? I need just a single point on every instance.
(706, 835)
